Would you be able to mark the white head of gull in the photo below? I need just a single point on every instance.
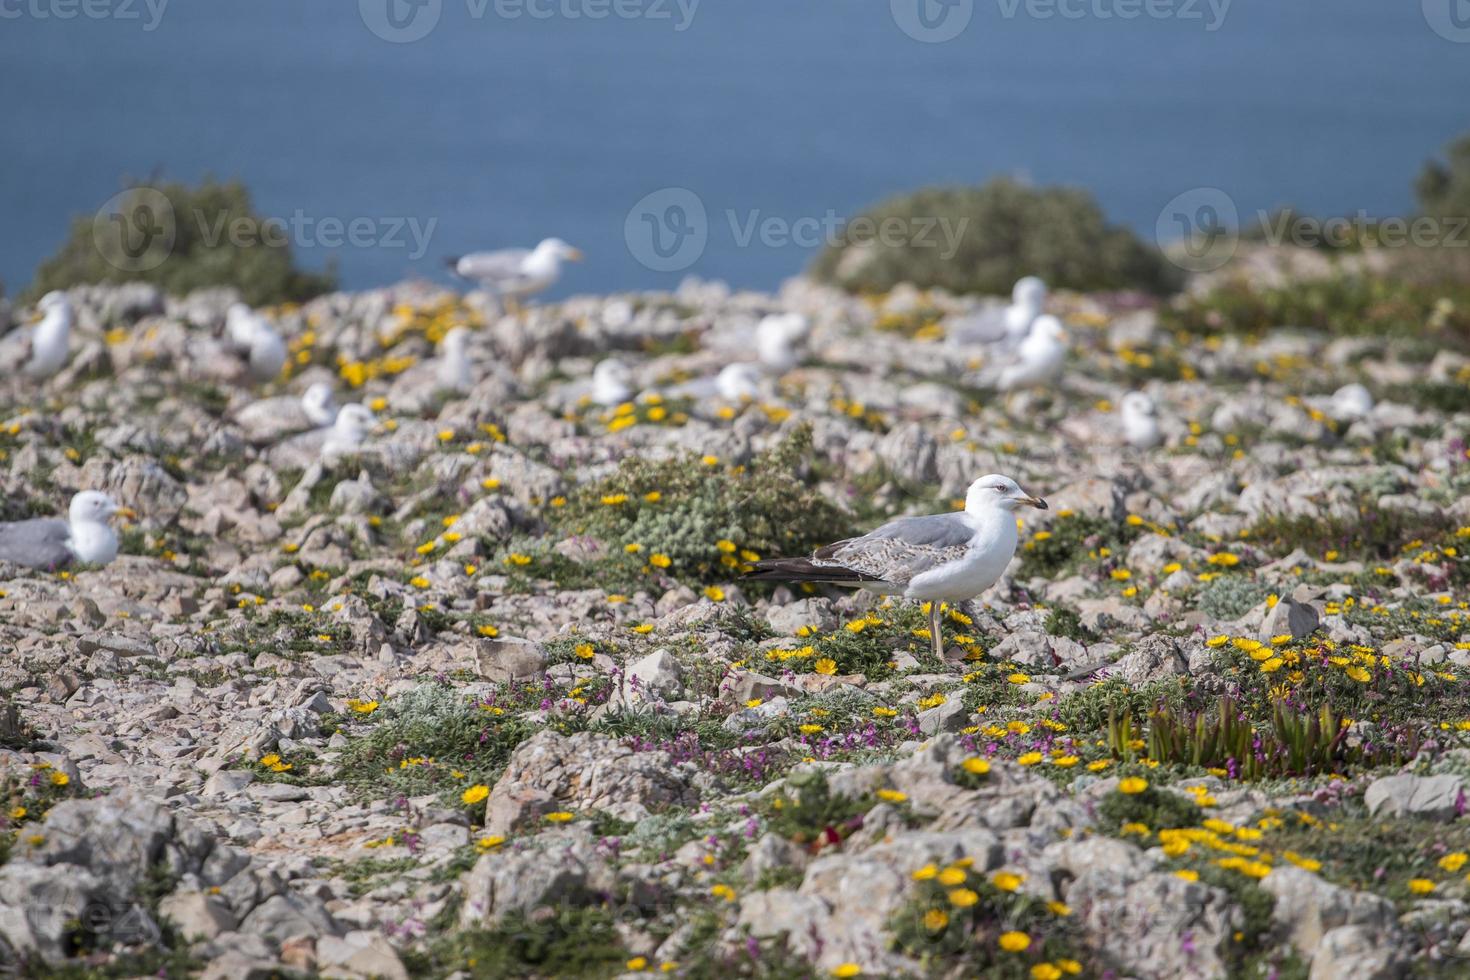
(350, 430)
(1040, 357)
(1140, 418)
(738, 382)
(1351, 402)
(776, 339)
(454, 372)
(320, 405)
(612, 382)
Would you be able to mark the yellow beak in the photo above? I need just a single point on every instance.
(1037, 502)
(575, 255)
(127, 512)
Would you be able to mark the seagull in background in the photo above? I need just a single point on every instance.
(946, 557)
(776, 337)
(320, 405)
(42, 350)
(1140, 418)
(1009, 326)
(253, 336)
(1039, 359)
(1351, 402)
(515, 273)
(453, 370)
(49, 543)
(350, 430)
(612, 383)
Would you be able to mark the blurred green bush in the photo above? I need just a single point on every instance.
(1010, 230)
(217, 240)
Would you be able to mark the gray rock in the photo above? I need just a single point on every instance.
(1404, 794)
(1355, 953)
(196, 915)
(1308, 907)
(359, 954)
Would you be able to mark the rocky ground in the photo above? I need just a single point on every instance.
(490, 698)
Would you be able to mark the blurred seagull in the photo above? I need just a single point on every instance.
(350, 430)
(320, 405)
(453, 370)
(776, 337)
(1040, 357)
(1140, 417)
(612, 383)
(253, 336)
(50, 543)
(1351, 402)
(1006, 326)
(515, 273)
(738, 382)
(41, 351)
(946, 557)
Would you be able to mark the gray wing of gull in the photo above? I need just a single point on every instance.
(902, 549)
(486, 267)
(39, 543)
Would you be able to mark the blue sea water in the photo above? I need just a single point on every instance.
(511, 120)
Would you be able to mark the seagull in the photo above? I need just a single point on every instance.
(740, 382)
(945, 557)
(50, 543)
(1006, 326)
(514, 273)
(1351, 402)
(253, 335)
(612, 383)
(319, 405)
(775, 339)
(348, 432)
(453, 370)
(1140, 418)
(1040, 357)
(42, 350)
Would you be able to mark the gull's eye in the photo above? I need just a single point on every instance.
(999, 489)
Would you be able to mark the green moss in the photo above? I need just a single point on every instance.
(565, 941)
(1156, 809)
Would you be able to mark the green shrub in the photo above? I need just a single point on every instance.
(1231, 596)
(1443, 187)
(1415, 300)
(1009, 231)
(700, 522)
(203, 253)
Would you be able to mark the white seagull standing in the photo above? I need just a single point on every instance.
(453, 370)
(42, 350)
(1140, 418)
(776, 339)
(612, 383)
(353, 425)
(50, 543)
(946, 557)
(1040, 357)
(515, 273)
